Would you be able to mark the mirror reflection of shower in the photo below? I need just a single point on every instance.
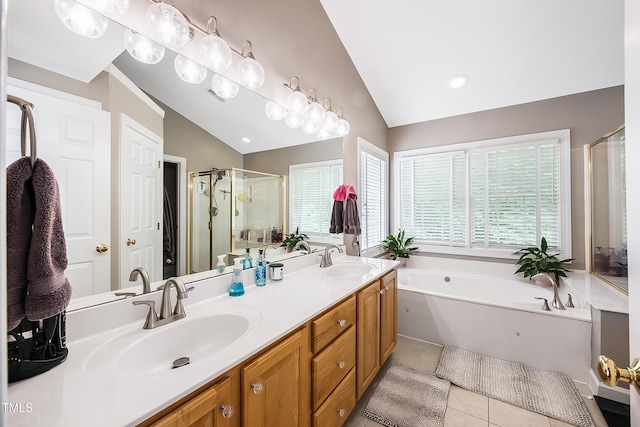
(210, 218)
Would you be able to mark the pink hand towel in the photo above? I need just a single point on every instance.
(49, 290)
(20, 214)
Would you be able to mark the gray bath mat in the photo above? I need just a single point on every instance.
(547, 393)
(406, 397)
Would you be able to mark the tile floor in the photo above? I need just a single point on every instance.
(464, 408)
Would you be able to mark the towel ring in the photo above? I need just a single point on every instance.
(27, 117)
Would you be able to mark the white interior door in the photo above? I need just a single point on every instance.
(73, 138)
(140, 200)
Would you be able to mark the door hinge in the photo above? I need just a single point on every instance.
(158, 226)
(158, 164)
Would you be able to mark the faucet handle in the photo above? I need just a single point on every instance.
(545, 304)
(569, 302)
(152, 317)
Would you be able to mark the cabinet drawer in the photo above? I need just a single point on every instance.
(331, 324)
(330, 366)
(336, 409)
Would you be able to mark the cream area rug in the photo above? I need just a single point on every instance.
(406, 397)
(547, 393)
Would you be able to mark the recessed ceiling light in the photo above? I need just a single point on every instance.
(458, 81)
(245, 139)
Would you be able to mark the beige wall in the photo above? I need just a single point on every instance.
(202, 150)
(589, 115)
(278, 161)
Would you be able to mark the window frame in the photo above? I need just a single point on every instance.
(563, 137)
(369, 148)
(329, 237)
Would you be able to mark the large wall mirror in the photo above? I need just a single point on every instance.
(607, 209)
(190, 129)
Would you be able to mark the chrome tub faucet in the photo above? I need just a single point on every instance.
(556, 303)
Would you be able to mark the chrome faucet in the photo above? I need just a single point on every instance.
(166, 313)
(556, 303)
(301, 243)
(326, 261)
(146, 283)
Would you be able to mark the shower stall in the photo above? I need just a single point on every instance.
(231, 209)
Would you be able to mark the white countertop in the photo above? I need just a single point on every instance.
(89, 388)
(600, 295)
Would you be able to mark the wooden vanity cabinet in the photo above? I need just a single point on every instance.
(275, 385)
(388, 315)
(377, 320)
(213, 407)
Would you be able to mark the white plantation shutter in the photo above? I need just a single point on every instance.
(489, 195)
(433, 198)
(373, 198)
(514, 195)
(311, 196)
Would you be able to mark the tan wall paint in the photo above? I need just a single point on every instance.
(589, 115)
(278, 161)
(202, 150)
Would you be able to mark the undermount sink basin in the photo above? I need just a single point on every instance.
(143, 352)
(348, 270)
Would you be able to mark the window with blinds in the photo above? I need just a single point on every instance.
(373, 179)
(496, 195)
(311, 187)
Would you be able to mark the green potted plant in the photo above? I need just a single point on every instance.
(292, 239)
(534, 260)
(398, 246)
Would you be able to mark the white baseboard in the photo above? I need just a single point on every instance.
(617, 394)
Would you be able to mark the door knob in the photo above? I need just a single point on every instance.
(611, 374)
(131, 242)
(102, 248)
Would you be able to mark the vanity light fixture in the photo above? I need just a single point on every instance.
(458, 81)
(142, 48)
(275, 111)
(223, 87)
(108, 6)
(250, 72)
(80, 19)
(167, 25)
(305, 111)
(189, 71)
(214, 52)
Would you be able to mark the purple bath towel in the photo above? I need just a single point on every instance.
(49, 290)
(20, 215)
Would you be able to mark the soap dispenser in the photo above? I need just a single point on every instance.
(221, 265)
(261, 269)
(247, 261)
(237, 288)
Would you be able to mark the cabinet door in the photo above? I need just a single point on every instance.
(368, 323)
(388, 315)
(211, 408)
(275, 386)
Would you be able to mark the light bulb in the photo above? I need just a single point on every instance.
(323, 133)
(142, 48)
(296, 103)
(315, 113)
(330, 121)
(80, 19)
(224, 87)
(274, 111)
(215, 52)
(458, 81)
(167, 25)
(108, 6)
(343, 128)
(189, 71)
(310, 127)
(294, 120)
(250, 73)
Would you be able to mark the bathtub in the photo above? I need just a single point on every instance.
(486, 309)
